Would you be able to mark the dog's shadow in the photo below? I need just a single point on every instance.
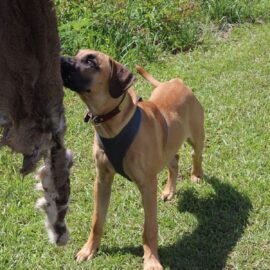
(222, 219)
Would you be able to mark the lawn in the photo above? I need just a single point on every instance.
(221, 223)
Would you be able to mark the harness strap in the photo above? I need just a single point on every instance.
(116, 148)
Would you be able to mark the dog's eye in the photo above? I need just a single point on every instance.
(91, 63)
(90, 58)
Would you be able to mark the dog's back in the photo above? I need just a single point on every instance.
(179, 106)
(169, 96)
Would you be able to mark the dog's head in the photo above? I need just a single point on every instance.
(95, 74)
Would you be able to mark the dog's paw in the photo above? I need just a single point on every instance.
(167, 195)
(86, 253)
(152, 264)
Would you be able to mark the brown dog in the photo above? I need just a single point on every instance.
(171, 116)
(31, 102)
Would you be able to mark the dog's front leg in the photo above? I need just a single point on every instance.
(150, 243)
(102, 192)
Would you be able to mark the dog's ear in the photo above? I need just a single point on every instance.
(121, 79)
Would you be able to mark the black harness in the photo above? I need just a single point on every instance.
(116, 148)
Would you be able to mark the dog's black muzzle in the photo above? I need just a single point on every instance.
(72, 76)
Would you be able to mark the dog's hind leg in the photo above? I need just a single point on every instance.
(197, 143)
(196, 140)
(170, 187)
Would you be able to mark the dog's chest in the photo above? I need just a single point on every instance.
(116, 148)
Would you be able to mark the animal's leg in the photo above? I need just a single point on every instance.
(102, 193)
(197, 143)
(170, 187)
(54, 177)
(150, 234)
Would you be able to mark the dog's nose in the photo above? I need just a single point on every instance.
(66, 62)
(71, 75)
(66, 66)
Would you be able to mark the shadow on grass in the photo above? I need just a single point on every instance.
(222, 219)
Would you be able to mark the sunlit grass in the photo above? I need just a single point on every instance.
(222, 223)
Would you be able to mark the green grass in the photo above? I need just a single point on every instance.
(136, 29)
(128, 29)
(222, 223)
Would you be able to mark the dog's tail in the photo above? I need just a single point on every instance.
(147, 76)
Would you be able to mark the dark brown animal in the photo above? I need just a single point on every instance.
(31, 101)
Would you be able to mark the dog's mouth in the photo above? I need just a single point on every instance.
(72, 76)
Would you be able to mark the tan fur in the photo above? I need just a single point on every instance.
(147, 76)
(171, 116)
